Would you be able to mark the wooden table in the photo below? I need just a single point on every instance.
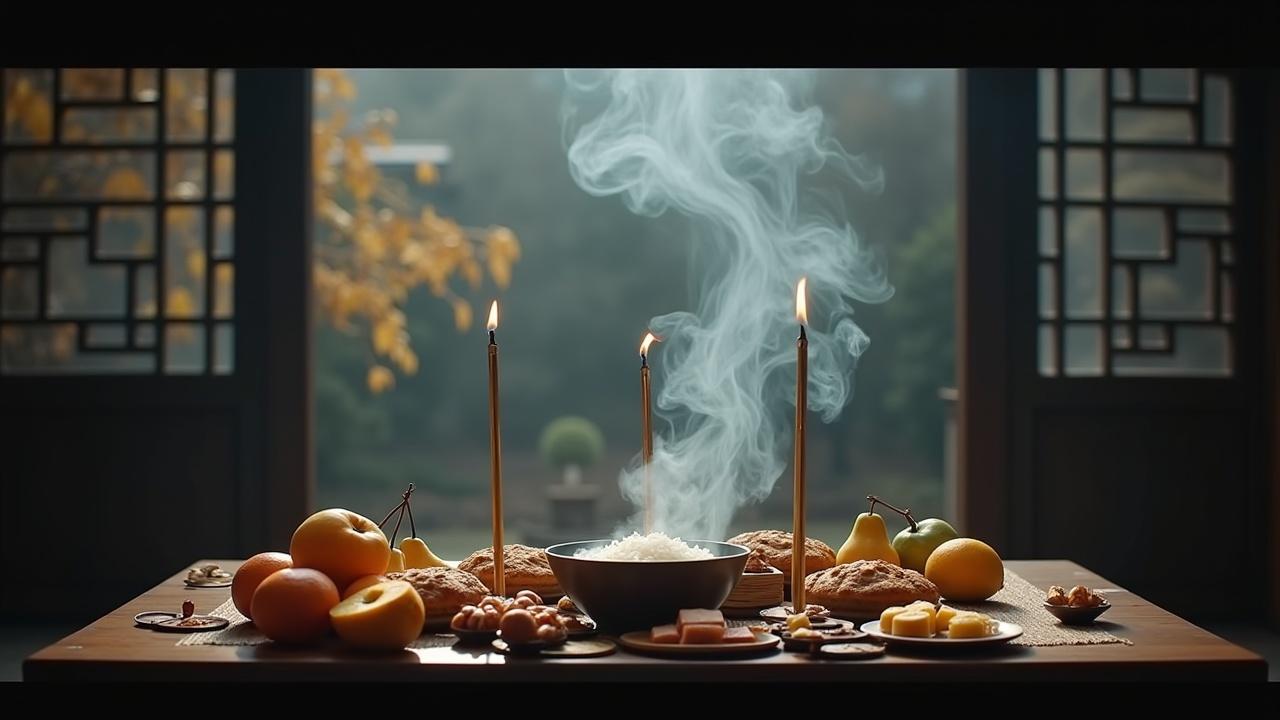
(1165, 647)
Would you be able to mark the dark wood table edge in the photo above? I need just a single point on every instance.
(1247, 667)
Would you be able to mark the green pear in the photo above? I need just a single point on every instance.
(916, 544)
(868, 541)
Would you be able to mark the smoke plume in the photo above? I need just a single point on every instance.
(732, 151)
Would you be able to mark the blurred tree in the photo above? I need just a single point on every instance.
(571, 444)
(374, 246)
(925, 357)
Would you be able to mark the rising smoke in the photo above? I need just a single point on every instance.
(730, 150)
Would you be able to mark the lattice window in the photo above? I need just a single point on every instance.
(1137, 257)
(116, 221)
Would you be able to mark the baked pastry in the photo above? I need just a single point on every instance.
(443, 591)
(757, 564)
(864, 588)
(775, 546)
(525, 568)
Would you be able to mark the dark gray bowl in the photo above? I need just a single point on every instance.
(623, 595)
(1077, 615)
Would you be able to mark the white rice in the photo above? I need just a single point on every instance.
(654, 547)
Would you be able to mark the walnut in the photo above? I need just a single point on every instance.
(1079, 596)
(1057, 596)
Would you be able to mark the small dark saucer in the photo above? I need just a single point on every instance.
(474, 637)
(780, 613)
(532, 648)
(1077, 615)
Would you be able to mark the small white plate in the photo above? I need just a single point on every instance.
(1005, 632)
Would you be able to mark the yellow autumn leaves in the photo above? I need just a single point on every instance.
(375, 247)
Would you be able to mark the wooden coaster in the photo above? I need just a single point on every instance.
(594, 647)
(782, 612)
(850, 651)
(218, 583)
(149, 618)
(585, 648)
(204, 623)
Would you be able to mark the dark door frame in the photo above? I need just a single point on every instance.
(995, 359)
(269, 391)
(274, 205)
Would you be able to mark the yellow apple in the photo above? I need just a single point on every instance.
(386, 616)
(341, 544)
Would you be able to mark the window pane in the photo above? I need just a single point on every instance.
(484, 149)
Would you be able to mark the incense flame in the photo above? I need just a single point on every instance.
(649, 338)
(802, 307)
(493, 316)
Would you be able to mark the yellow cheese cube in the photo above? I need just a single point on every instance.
(886, 618)
(930, 610)
(944, 617)
(795, 622)
(970, 625)
(912, 623)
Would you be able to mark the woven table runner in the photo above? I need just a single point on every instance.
(243, 632)
(1022, 603)
(1019, 602)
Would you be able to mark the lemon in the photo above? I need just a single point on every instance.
(965, 570)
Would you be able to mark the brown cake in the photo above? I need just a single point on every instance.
(525, 568)
(864, 588)
(443, 591)
(775, 546)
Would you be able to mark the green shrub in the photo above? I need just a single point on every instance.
(571, 441)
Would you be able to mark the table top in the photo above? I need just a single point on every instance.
(1165, 647)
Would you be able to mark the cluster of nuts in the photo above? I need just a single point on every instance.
(1079, 596)
(522, 619)
(536, 624)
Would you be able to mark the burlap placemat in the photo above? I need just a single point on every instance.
(1019, 602)
(1022, 603)
(243, 632)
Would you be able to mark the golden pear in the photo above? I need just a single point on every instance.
(418, 555)
(868, 541)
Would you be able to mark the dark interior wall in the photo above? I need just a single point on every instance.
(1145, 480)
(110, 483)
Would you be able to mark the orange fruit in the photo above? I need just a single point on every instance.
(341, 544)
(386, 616)
(292, 605)
(251, 574)
(965, 570)
(361, 583)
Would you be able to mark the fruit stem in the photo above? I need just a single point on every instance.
(393, 512)
(395, 532)
(904, 513)
(408, 506)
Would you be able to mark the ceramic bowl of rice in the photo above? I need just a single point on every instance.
(644, 580)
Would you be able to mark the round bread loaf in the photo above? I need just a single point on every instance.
(524, 567)
(864, 588)
(775, 546)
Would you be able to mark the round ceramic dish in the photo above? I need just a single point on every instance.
(625, 595)
(1077, 615)
(1004, 633)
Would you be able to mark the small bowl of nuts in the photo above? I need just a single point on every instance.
(1079, 606)
(479, 624)
(529, 630)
